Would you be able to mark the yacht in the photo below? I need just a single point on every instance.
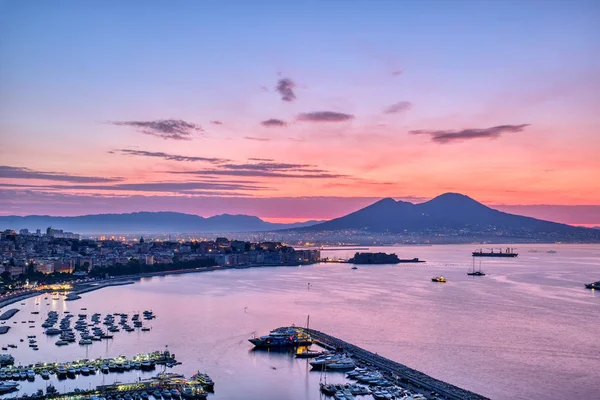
(343, 364)
(439, 279)
(594, 285)
(6, 387)
(61, 372)
(30, 375)
(282, 337)
(85, 370)
(45, 374)
(85, 342)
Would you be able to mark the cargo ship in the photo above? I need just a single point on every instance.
(507, 253)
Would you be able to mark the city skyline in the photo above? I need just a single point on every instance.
(288, 114)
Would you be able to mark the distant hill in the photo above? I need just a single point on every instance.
(452, 214)
(146, 222)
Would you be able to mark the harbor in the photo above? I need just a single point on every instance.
(162, 386)
(376, 376)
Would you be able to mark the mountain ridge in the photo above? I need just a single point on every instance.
(452, 214)
(146, 222)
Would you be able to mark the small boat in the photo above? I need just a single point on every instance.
(310, 354)
(439, 279)
(354, 267)
(45, 374)
(85, 371)
(593, 285)
(157, 394)
(104, 368)
(30, 375)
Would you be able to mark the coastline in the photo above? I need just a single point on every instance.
(130, 279)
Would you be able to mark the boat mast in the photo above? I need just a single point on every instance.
(307, 321)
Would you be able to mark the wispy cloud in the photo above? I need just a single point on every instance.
(216, 122)
(444, 136)
(324, 116)
(269, 165)
(26, 173)
(251, 173)
(257, 139)
(170, 157)
(399, 107)
(261, 159)
(164, 128)
(167, 187)
(285, 87)
(264, 169)
(273, 122)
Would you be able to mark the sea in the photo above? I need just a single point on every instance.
(527, 330)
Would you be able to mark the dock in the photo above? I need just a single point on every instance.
(394, 370)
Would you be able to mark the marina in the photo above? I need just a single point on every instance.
(162, 386)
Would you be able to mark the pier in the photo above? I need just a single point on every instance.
(394, 370)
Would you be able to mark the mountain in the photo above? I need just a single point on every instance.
(146, 222)
(452, 214)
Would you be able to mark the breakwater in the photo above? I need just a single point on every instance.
(394, 370)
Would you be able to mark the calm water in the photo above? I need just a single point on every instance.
(527, 330)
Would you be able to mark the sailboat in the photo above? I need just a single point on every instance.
(478, 272)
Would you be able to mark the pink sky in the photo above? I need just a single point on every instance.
(296, 123)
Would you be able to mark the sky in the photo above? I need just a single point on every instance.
(298, 110)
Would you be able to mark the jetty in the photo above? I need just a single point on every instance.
(395, 371)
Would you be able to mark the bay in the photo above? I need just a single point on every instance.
(527, 330)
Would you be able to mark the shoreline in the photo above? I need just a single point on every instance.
(131, 279)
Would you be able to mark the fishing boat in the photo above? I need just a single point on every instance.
(474, 272)
(593, 285)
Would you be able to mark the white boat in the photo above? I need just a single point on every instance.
(345, 363)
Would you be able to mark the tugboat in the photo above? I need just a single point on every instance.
(508, 253)
(282, 337)
(439, 279)
(593, 286)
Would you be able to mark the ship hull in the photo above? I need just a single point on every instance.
(261, 344)
(505, 255)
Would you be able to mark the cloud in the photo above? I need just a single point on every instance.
(261, 159)
(216, 122)
(285, 88)
(269, 165)
(324, 116)
(399, 107)
(168, 187)
(397, 72)
(264, 169)
(258, 139)
(164, 128)
(441, 136)
(170, 157)
(26, 173)
(273, 122)
(252, 173)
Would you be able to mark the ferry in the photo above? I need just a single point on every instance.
(282, 337)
